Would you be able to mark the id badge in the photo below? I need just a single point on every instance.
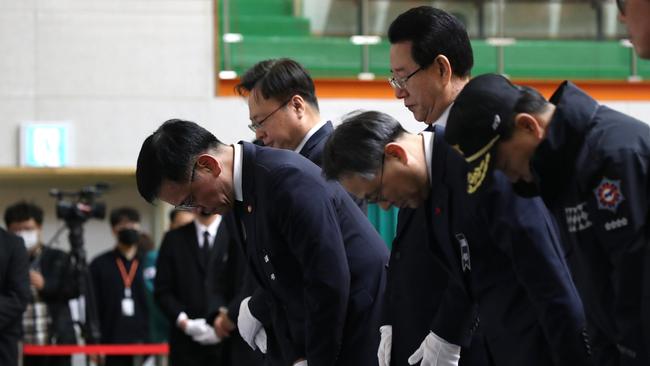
(128, 307)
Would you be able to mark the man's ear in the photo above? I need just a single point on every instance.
(443, 68)
(527, 123)
(209, 163)
(396, 151)
(298, 105)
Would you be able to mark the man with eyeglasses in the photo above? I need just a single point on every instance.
(284, 114)
(511, 266)
(635, 15)
(431, 59)
(306, 242)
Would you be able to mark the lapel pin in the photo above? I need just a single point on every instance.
(249, 208)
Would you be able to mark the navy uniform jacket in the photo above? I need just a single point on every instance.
(505, 250)
(318, 256)
(527, 296)
(592, 172)
(14, 295)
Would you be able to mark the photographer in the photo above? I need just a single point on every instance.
(47, 318)
(119, 286)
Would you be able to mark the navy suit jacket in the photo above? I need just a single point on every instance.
(318, 256)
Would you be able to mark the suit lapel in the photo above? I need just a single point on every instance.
(190, 234)
(440, 206)
(248, 210)
(220, 244)
(316, 139)
(403, 218)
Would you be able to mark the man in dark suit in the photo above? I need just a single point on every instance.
(529, 310)
(14, 295)
(284, 114)
(195, 283)
(307, 243)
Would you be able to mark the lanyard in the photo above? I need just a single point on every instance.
(127, 278)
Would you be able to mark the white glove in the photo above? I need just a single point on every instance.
(209, 336)
(249, 327)
(195, 327)
(260, 340)
(301, 363)
(385, 345)
(435, 351)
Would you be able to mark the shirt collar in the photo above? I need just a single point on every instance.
(237, 173)
(442, 120)
(309, 134)
(427, 141)
(211, 229)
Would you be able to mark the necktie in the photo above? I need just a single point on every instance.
(205, 249)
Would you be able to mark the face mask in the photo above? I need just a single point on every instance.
(30, 237)
(128, 236)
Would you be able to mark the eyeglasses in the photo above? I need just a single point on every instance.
(377, 196)
(254, 126)
(400, 83)
(621, 6)
(188, 203)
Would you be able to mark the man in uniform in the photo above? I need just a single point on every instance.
(589, 163)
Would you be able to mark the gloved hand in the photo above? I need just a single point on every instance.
(301, 363)
(195, 327)
(209, 336)
(385, 345)
(435, 351)
(260, 340)
(250, 327)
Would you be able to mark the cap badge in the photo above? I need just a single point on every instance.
(477, 176)
(496, 122)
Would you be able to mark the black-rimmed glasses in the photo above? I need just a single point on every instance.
(254, 126)
(188, 203)
(377, 196)
(400, 83)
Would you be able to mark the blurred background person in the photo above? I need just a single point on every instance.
(47, 319)
(119, 287)
(197, 278)
(178, 218)
(14, 295)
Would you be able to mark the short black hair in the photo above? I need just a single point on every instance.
(434, 32)
(530, 101)
(168, 154)
(357, 145)
(23, 211)
(124, 214)
(279, 79)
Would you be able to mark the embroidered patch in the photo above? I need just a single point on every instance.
(608, 194)
(464, 252)
(616, 224)
(576, 218)
(476, 177)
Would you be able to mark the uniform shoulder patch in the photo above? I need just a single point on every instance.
(608, 194)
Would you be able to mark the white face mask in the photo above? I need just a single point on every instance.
(30, 237)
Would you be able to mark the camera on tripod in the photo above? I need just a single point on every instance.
(82, 205)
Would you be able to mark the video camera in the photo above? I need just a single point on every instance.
(82, 205)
